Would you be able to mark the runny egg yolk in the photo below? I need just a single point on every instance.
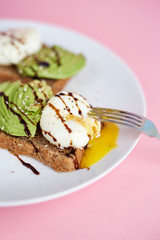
(100, 146)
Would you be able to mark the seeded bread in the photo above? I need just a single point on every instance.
(61, 160)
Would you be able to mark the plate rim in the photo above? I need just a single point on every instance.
(53, 196)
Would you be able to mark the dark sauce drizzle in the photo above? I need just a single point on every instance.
(35, 148)
(1, 94)
(66, 107)
(76, 102)
(37, 99)
(13, 44)
(74, 98)
(85, 147)
(34, 92)
(23, 113)
(12, 37)
(22, 121)
(43, 64)
(72, 155)
(76, 164)
(40, 85)
(28, 165)
(57, 56)
(54, 139)
(60, 117)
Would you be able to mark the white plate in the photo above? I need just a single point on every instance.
(106, 81)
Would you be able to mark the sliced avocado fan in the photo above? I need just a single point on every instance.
(21, 106)
(51, 63)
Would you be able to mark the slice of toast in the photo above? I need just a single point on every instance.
(10, 73)
(61, 160)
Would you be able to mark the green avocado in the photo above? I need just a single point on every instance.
(21, 106)
(51, 63)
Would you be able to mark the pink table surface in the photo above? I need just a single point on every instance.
(125, 204)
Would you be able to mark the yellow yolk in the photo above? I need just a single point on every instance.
(99, 147)
(91, 126)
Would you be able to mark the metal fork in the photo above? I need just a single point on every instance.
(125, 118)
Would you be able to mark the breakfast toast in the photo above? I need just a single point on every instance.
(10, 73)
(52, 64)
(61, 160)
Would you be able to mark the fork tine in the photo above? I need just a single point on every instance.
(117, 115)
(116, 111)
(117, 122)
(125, 118)
(114, 119)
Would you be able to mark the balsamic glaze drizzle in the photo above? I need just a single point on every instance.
(74, 98)
(40, 86)
(43, 64)
(66, 107)
(34, 92)
(12, 37)
(76, 102)
(76, 164)
(28, 165)
(35, 148)
(54, 139)
(60, 117)
(57, 56)
(22, 121)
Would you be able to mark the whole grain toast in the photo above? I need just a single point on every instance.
(61, 160)
(10, 73)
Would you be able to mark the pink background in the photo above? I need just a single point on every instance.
(125, 204)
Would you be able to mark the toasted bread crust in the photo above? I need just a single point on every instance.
(61, 160)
